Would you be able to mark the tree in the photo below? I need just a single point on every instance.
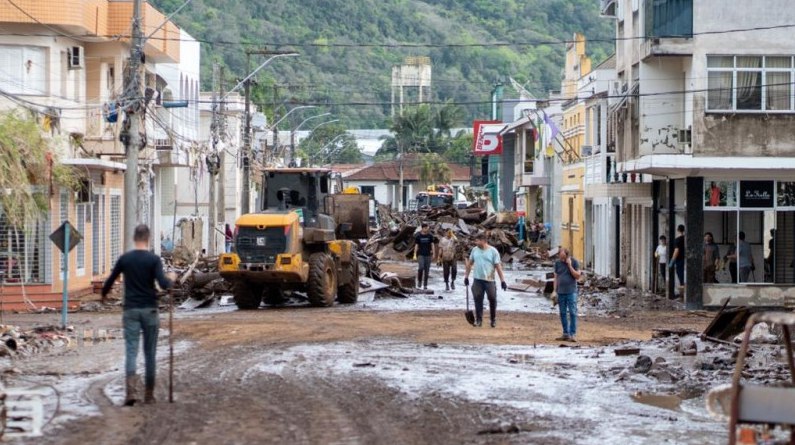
(330, 144)
(459, 149)
(27, 168)
(434, 170)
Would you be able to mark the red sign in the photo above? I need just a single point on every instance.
(487, 138)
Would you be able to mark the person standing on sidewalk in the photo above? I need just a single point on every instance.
(484, 259)
(567, 272)
(448, 256)
(661, 253)
(141, 269)
(424, 252)
(678, 259)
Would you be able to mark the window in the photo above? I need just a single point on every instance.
(749, 83)
(80, 225)
(115, 227)
(368, 190)
(23, 69)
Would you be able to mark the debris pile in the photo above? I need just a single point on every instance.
(394, 239)
(17, 342)
(199, 283)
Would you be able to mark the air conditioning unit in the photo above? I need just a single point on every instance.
(75, 58)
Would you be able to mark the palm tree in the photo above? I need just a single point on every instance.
(434, 170)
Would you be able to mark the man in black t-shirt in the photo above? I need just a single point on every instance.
(678, 257)
(141, 268)
(424, 252)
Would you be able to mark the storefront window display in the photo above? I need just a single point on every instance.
(753, 226)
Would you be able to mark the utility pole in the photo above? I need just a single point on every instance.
(276, 120)
(222, 162)
(245, 195)
(133, 126)
(212, 166)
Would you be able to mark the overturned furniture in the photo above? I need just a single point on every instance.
(752, 404)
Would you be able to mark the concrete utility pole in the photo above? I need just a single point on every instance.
(245, 195)
(222, 161)
(212, 166)
(133, 126)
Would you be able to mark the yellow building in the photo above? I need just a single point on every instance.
(573, 135)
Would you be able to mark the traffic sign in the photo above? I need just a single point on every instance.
(59, 237)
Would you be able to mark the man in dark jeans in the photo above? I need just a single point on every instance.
(678, 259)
(424, 253)
(141, 269)
(485, 259)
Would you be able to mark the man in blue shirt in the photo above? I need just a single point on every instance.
(567, 272)
(141, 268)
(485, 259)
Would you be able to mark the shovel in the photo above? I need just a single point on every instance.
(469, 314)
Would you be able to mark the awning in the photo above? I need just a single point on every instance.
(683, 165)
(517, 124)
(95, 164)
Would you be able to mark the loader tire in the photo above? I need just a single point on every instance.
(322, 286)
(274, 297)
(247, 296)
(348, 292)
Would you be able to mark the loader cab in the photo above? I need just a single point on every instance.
(289, 189)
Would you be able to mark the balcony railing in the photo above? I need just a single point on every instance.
(669, 18)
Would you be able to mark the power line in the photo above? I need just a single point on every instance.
(395, 44)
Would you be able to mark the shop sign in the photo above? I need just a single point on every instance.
(756, 194)
(487, 138)
(521, 204)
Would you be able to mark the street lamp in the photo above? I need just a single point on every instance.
(320, 153)
(292, 136)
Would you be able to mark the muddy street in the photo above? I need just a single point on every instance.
(384, 371)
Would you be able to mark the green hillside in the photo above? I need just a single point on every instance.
(346, 57)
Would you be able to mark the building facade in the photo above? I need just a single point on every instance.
(712, 125)
(62, 63)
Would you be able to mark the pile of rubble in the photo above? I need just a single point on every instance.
(394, 239)
(16, 342)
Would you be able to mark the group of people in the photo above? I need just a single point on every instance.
(739, 259)
(142, 270)
(482, 263)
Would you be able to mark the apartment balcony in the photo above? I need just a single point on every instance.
(669, 28)
(98, 20)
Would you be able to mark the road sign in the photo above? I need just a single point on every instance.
(65, 238)
(59, 237)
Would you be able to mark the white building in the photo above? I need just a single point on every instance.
(709, 112)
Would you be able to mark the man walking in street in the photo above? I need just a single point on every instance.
(745, 259)
(424, 252)
(484, 259)
(567, 272)
(141, 269)
(448, 256)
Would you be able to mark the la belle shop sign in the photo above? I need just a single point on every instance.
(757, 194)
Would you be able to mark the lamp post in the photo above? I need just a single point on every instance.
(321, 153)
(292, 136)
(275, 127)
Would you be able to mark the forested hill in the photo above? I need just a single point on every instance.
(349, 46)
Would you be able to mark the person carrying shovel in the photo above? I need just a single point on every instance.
(484, 259)
(141, 268)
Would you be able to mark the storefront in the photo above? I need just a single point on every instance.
(752, 223)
